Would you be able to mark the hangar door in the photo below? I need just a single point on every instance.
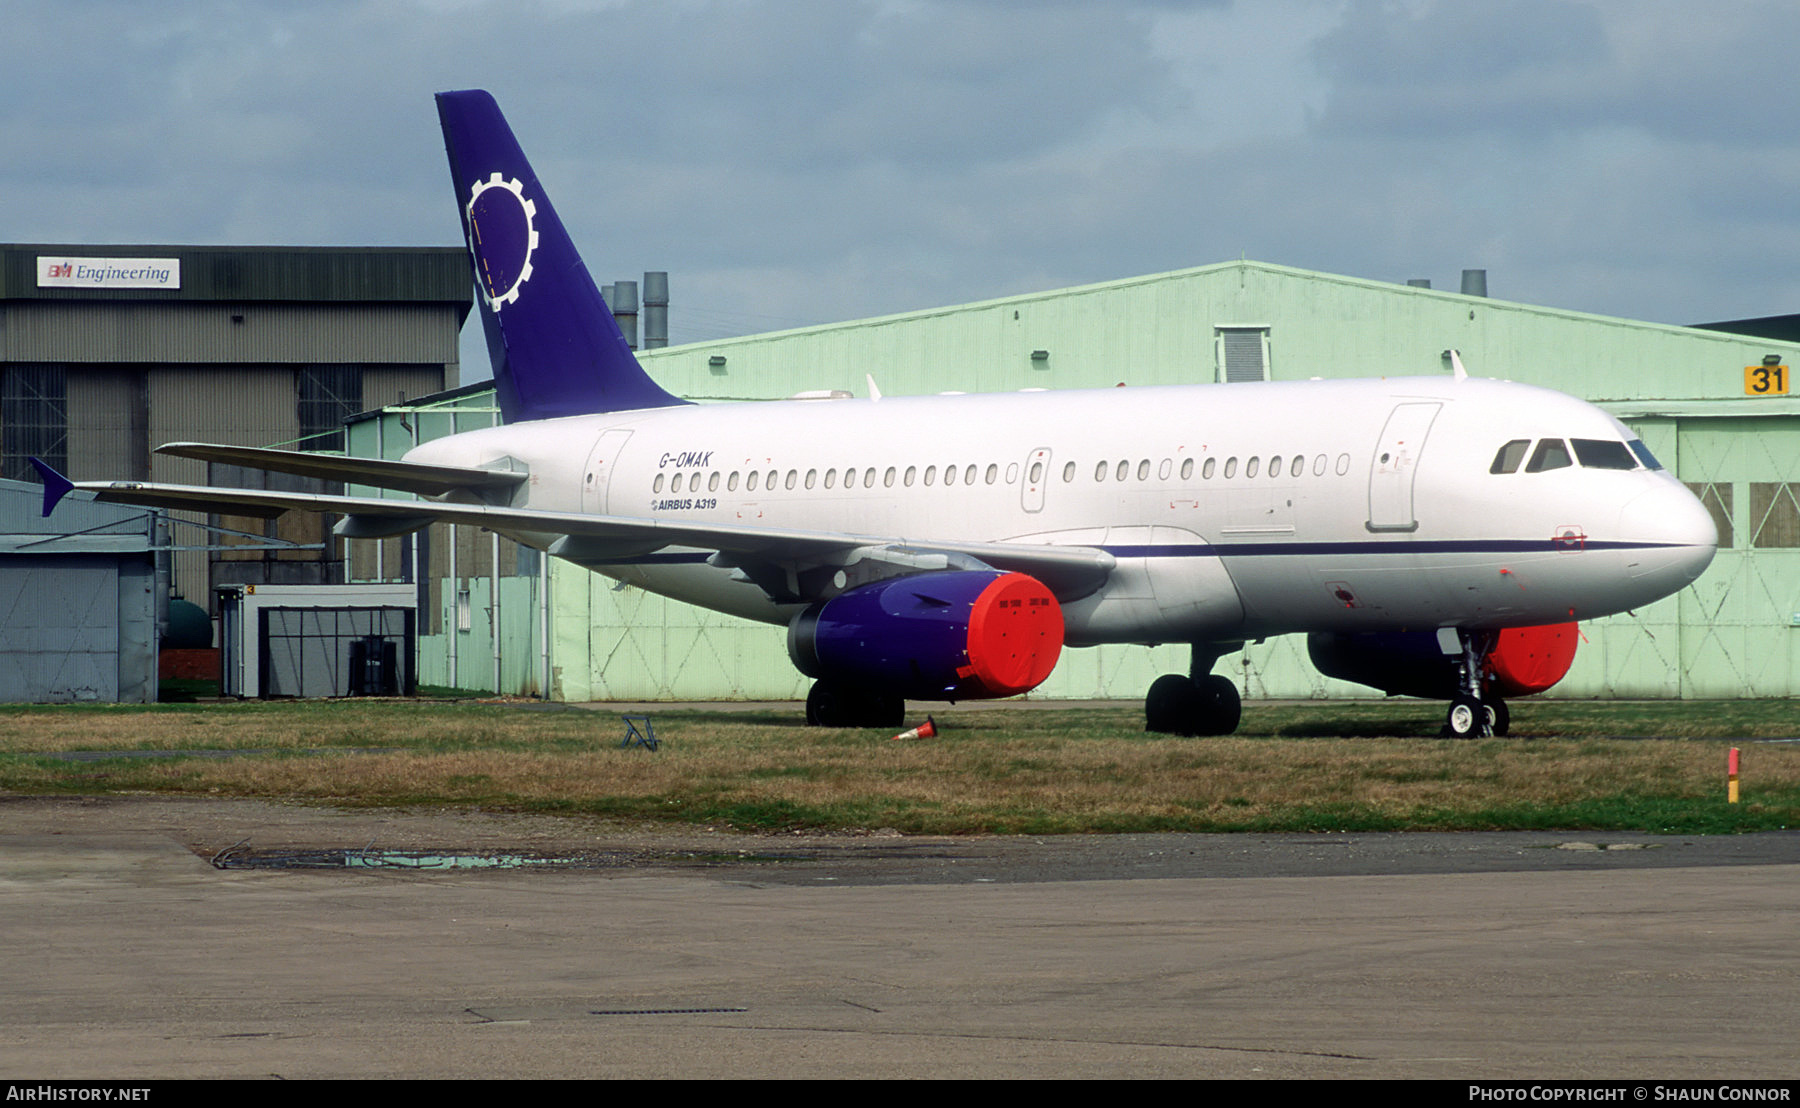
(63, 640)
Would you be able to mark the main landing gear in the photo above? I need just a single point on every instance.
(1472, 714)
(1198, 703)
(836, 704)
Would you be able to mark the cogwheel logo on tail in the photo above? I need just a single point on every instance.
(502, 237)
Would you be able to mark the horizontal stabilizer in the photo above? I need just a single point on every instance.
(56, 486)
(415, 477)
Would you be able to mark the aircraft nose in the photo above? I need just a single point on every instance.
(1679, 526)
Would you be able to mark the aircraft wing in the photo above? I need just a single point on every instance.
(419, 477)
(768, 555)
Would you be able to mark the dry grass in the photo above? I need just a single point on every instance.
(1018, 771)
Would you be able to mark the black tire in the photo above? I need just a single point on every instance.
(1465, 719)
(1499, 716)
(1170, 707)
(1224, 708)
(824, 706)
(882, 710)
(829, 704)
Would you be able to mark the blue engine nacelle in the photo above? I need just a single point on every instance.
(960, 635)
(1524, 660)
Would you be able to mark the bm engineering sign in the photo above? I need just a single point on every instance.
(108, 273)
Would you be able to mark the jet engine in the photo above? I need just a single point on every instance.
(1524, 660)
(958, 635)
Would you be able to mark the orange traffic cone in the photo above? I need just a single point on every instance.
(926, 730)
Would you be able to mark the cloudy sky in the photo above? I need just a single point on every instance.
(805, 161)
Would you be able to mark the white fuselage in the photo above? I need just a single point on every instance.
(1234, 511)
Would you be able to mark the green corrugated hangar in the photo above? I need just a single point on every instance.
(1711, 403)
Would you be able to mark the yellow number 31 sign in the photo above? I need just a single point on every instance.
(1765, 380)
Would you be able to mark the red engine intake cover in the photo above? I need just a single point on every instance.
(1528, 660)
(1015, 635)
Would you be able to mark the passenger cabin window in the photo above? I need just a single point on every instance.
(1550, 454)
(1507, 461)
(1604, 454)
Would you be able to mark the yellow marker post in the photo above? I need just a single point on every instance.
(1731, 777)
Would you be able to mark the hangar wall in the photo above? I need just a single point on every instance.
(250, 346)
(1733, 633)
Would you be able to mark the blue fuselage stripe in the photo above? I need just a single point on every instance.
(1291, 549)
(1418, 546)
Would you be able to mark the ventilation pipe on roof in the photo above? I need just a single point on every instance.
(1474, 282)
(624, 305)
(656, 310)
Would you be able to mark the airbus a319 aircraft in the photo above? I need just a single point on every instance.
(1435, 537)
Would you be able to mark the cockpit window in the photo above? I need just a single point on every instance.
(1643, 454)
(1550, 454)
(1507, 461)
(1604, 454)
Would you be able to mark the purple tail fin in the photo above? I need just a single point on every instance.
(555, 348)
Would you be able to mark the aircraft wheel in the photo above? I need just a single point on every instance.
(1171, 705)
(1498, 715)
(881, 710)
(830, 704)
(1224, 707)
(824, 705)
(1465, 718)
(1178, 705)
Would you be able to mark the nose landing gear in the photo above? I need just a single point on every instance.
(1473, 713)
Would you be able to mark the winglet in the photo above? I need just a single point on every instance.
(1456, 365)
(56, 486)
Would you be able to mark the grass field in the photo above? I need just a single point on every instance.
(1313, 766)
